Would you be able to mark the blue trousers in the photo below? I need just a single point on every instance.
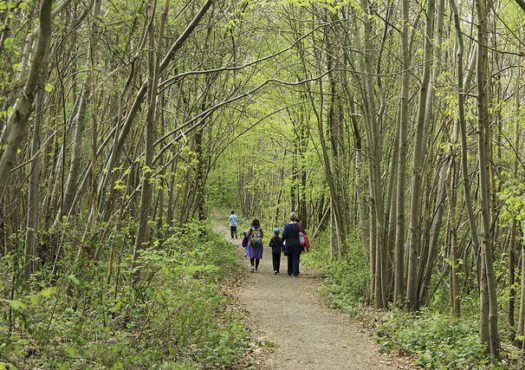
(294, 258)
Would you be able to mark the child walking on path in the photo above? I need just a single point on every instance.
(254, 249)
(277, 246)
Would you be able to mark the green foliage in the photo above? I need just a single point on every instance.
(512, 195)
(174, 316)
(436, 341)
(347, 278)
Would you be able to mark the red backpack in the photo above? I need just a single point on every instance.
(303, 239)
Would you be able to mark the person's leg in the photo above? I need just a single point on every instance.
(290, 259)
(231, 231)
(278, 262)
(257, 260)
(234, 232)
(274, 262)
(296, 260)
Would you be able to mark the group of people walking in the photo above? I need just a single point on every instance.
(289, 243)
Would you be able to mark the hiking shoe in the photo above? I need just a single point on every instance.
(253, 269)
(257, 270)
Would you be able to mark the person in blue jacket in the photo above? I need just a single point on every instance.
(233, 224)
(292, 247)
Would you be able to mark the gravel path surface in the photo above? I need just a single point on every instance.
(302, 332)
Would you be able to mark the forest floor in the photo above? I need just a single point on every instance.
(294, 329)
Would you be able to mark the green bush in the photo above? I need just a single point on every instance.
(436, 341)
(347, 278)
(174, 317)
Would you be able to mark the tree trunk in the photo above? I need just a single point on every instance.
(514, 228)
(462, 82)
(521, 324)
(153, 70)
(424, 112)
(399, 253)
(454, 289)
(31, 240)
(489, 291)
(378, 250)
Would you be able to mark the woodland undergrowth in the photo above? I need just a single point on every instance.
(433, 338)
(172, 315)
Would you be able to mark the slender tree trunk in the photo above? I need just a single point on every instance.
(78, 122)
(377, 216)
(435, 227)
(419, 155)
(492, 339)
(462, 82)
(515, 226)
(200, 175)
(454, 288)
(399, 253)
(153, 70)
(31, 240)
(521, 323)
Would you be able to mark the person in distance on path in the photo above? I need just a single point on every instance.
(233, 224)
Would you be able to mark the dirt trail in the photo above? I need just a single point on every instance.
(287, 312)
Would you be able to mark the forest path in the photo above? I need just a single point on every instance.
(288, 313)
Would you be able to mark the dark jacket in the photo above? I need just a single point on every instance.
(276, 243)
(291, 237)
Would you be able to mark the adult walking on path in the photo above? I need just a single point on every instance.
(233, 225)
(292, 247)
(254, 249)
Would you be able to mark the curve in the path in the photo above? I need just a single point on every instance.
(305, 334)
